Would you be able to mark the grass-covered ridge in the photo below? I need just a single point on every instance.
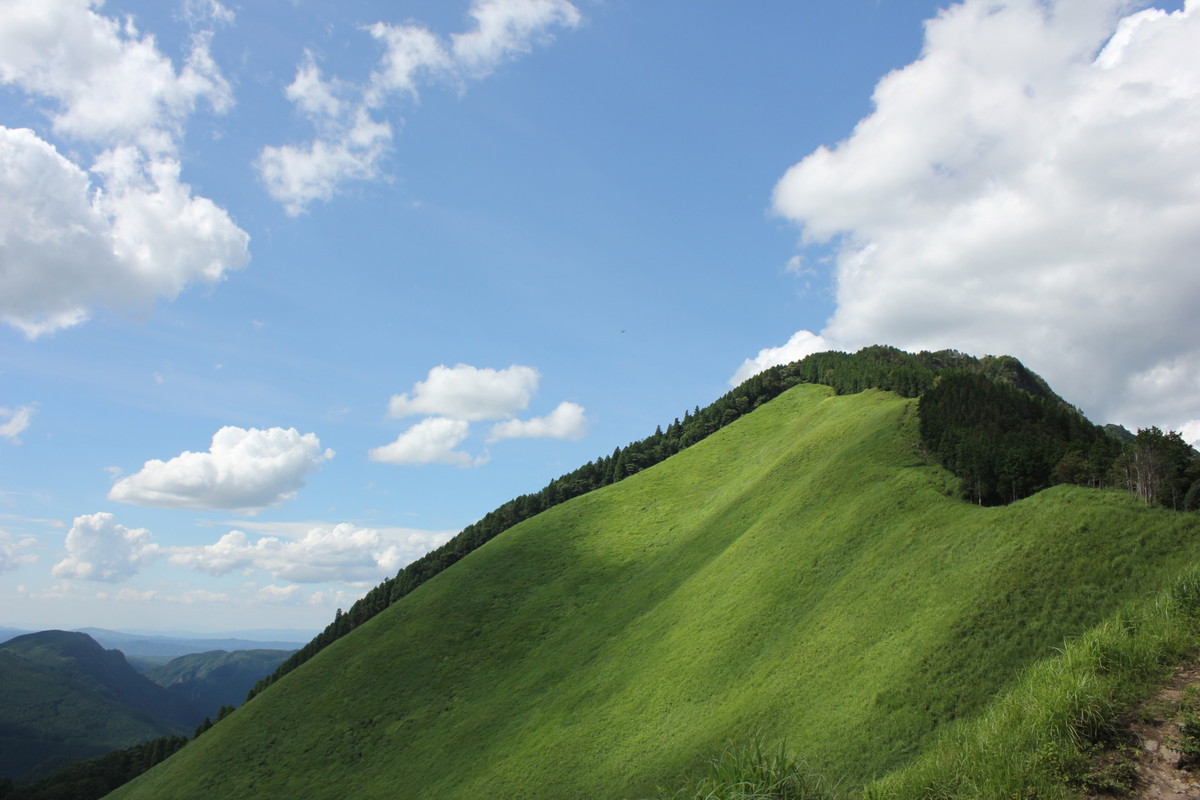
(802, 575)
(1013, 427)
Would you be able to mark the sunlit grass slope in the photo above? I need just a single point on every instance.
(799, 575)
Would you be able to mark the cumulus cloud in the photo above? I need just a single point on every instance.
(567, 421)
(464, 392)
(350, 140)
(341, 553)
(108, 82)
(802, 343)
(456, 396)
(14, 421)
(1027, 186)
(242, 470)
(101, 549)
(125, 231)
(431, 441)
(16, 550)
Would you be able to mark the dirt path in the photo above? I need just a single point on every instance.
(1159, 775)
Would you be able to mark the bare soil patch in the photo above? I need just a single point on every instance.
(1162, 772)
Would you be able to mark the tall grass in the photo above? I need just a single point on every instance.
(757, 771)
(1036, 740)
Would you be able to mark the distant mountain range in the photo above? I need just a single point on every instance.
(181, 643)
(64, 697)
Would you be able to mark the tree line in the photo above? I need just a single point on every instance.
(96, 777)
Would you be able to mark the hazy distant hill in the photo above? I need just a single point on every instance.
(208, 681)
(9, 633)
(63, 698)
(806, 573)
(172, 646)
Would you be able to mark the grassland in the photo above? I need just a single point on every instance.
(800, 576)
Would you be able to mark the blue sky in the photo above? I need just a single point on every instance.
(290, 292)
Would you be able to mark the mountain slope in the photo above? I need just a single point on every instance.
(63, 698)
(801, 574)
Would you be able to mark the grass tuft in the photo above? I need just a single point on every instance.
(756, 771)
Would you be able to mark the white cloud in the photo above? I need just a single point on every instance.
(507, 27)
(1190, 431)
(137, 596)
(1014, 192)
(350, 142)
(312, 94)
(802, 343)
(349, 145)
(101, 549)
(567, 421)
(344, 553)
(464, 392)
(127, 231)
(243, 470)
(455, 397)
(409, 51)
(108, 82)
(15, 421)
(332, 599)
(201, 12)
(15, 551)
(430, 441)
(278, 594)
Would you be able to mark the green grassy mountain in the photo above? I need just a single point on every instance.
(804, 574)
(207, 681)
(64, 698)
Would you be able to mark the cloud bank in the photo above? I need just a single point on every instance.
(342, 553)
(350, 140)
(243, 470)
(124, 231)
(98, 548)
(1027, 186)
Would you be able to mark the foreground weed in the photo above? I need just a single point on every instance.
(1188, 740)
(757, 772)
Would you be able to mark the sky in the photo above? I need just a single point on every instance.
(291, 291)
